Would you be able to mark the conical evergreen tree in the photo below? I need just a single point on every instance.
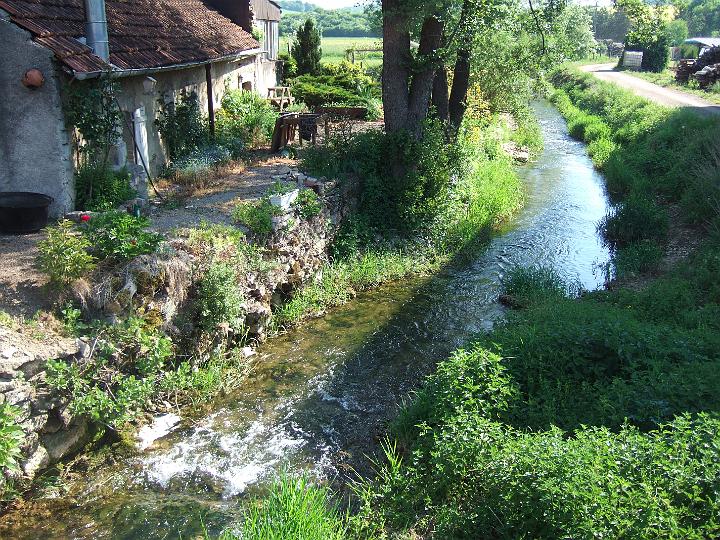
(306, 50)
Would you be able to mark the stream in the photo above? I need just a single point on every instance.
(319, 398)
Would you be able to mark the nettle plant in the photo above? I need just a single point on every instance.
(114, 385)
(64, 254)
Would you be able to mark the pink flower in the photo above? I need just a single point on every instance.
(84, 218)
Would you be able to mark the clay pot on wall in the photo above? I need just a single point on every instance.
(33, 78)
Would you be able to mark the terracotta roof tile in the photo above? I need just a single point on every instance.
(142, 33)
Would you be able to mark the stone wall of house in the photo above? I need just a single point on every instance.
(159, 285)
(140, 92)
(34, 145)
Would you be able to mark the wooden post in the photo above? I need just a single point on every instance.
(211, 104)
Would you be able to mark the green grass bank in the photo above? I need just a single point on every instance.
(652, 157)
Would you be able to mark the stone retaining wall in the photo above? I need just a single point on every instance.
(160, 284)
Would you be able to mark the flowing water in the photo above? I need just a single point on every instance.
(319, 398)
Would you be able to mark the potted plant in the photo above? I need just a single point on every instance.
(283, 195)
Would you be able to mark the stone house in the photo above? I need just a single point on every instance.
(154, 50)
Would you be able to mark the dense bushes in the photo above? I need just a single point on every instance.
(337, 84)
(447, 194)
(577, 417)
(245, 116)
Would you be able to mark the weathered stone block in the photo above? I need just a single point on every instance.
(65, 443)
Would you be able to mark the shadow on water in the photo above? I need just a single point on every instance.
(321, 396)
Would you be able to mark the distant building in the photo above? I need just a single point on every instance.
(155, 51)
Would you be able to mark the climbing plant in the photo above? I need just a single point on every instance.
(91, 108)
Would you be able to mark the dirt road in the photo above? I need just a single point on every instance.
(653, 92)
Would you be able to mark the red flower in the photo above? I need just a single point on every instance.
(84, 218)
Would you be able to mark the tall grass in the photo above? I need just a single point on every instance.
(341, 280)
(293, 509)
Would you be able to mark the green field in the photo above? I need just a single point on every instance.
(334, 49)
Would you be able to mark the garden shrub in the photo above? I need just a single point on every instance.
(322, 90)
(63, 255)
(342, 84)
(99, 188)
(120, 236)
(182, 126)
(245, 116)
(220, 302)
(256, 215)
(308, 204)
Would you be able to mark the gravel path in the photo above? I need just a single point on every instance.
(21, 285)
(653, 92)
(251, 183)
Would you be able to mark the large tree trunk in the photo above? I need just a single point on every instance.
(458, 95)
(441, 95)
(422, 82)
(396, 65)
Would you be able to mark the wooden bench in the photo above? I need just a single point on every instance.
(280, 97)
(340, 114)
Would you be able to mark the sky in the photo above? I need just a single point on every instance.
(334, 4)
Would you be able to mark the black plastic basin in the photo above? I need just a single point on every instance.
(23, 212)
